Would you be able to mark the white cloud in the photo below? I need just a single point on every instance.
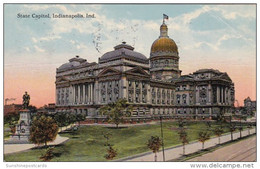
(27, 49)
(38, 49)
(34, 40)
(72, 41)
(235, 11)
(109, 32)
(46, 38)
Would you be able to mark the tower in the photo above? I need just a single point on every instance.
(164, 57)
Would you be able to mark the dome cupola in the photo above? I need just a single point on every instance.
(164, 56)
(164, 45)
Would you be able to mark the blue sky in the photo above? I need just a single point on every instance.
(213, 36)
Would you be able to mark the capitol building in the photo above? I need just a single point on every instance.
(154, 86)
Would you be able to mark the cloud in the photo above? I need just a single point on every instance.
(34, 40)
(72, 41)
(27, 49)
(38, 49)
(99, 35)
(235, 11)
(46, 38)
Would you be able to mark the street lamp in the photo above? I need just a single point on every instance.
(162, 138)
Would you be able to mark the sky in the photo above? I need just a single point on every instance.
(221, 37)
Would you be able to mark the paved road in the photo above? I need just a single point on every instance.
(242, 151)
(176, 152)
(13, 148)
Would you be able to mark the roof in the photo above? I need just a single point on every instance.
(182, 78)
(207, 71)
(73, 62)
(123, 50)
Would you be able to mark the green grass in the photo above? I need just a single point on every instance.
(87, 144)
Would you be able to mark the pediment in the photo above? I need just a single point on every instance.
(109, 72)
(137, 71)
(62, 79)
(225, 76)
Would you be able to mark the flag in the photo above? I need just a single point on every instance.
(165, 16)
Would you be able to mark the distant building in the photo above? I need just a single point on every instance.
(47, 109)
(12, 108)
(249, 106)
(154, 86)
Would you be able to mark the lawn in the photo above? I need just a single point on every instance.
(87, 143)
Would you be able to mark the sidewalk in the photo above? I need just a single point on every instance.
(244, 150)
(176, 152)
(13, 148)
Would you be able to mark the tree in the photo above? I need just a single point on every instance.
(180, 123)
(107, 136)
(116, 111)
(11, 117)
(48, 154)
(72, 118)
(154, 143)
(218, 132)
(60, 117)
(232, 128)
(43, 130)
(240, 128)
(111, 153)
(12, 120)
(203, 136)
(183, 138)
(249, 126)
(208, 124)
(80, 117)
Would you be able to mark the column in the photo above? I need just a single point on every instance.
(74, 94)
(91, 93)
(133, 83)
(123, 88)
(228, 96)
(197, 101)
(209, 93)
(99, 93)
(222, 94)
(71, 95)
(84, 94)
(141, 91)
(78, 101)
(210, 113)
(197, 113)
(88, 93)
(149, 92)
(218, 95)
(96, 92)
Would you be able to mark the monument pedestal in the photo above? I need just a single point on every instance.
(22, 132)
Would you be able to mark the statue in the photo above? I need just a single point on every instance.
(26, 100)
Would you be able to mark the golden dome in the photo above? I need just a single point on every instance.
(164, 44)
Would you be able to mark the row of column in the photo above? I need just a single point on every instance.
(161, 98)
(221, 94)
(83, 93)
(140, 96)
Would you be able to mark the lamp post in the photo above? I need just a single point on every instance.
(162, 138)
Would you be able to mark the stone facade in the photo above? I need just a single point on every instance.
(154, 86)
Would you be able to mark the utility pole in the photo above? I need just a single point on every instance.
(162, 138)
